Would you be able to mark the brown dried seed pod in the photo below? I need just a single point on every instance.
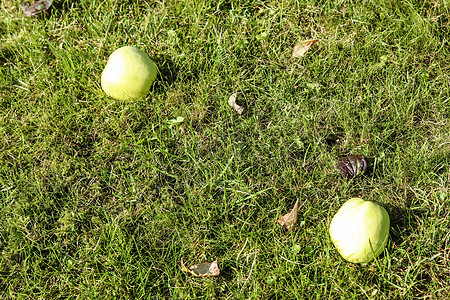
(31, 9)
(352, 165)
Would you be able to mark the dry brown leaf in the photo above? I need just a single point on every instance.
(233, 104)
(202, 270)
(289, 219)
(302, 47)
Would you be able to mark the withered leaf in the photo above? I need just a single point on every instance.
(302, 47)
(233, 104)
(176, 121)
(289, 219)
(31, 9)
(202, 270)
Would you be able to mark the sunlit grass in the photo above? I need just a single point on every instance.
(100, 197)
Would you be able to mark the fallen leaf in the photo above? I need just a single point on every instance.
(302, 47)
(383, 60)
(289, 219)
(176, 121)
(232, 103)
(31, 9)
(202, 270)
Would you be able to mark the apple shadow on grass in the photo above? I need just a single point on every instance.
(403, 220)
(168, 73)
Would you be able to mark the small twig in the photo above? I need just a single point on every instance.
(251, 270)
(243, 247)
(293, 262)
(358, 21)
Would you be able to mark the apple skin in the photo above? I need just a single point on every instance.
(128, 74)
(360, 230)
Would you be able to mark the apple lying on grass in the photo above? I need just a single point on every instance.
(128, 74)
(360, 230)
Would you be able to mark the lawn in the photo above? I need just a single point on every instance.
(101, 199)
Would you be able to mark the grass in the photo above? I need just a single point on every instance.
(101, 198)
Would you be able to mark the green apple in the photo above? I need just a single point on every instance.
(128, 74)
(360, 230)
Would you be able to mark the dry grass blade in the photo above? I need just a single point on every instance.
(302, 47)
(289, 219)
(202, 270)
